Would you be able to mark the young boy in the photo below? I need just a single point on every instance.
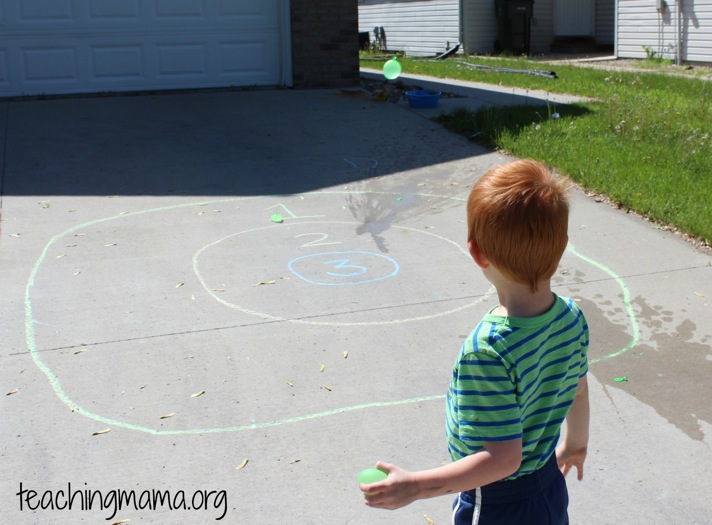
(520, 373)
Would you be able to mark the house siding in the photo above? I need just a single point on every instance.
(480, 25)
(641, 26)
(426, 27)
(418, 28)
(696, 31)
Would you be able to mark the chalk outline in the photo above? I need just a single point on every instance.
(56, 385)
(345, 283)
(626, 301)
(271, 317)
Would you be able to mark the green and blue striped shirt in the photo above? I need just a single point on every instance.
(517, 378)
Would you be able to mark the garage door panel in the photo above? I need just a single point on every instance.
(82, 46)
(166, 63)
(168, 9)
(118, 63)
(74, 64)
(239, 58)
(237, 62)
(41, 11)
(248, 62)
(50, 64)
(111, 11)
(186, 59)
(253, 9)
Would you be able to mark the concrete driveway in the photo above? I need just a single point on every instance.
(244, 298)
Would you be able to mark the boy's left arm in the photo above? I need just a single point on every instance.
(498, 460)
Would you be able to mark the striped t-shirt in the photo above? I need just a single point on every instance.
(516, 378)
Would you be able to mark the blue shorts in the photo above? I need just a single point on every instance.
(539, 498)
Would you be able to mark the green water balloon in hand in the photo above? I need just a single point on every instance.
(371, 475)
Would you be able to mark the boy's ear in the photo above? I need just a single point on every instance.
(477, 255)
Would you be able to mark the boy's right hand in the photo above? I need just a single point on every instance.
(571, 458)
(398, 490)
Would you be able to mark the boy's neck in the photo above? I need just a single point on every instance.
(517, 300)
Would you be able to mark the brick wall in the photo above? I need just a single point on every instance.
(324, 43)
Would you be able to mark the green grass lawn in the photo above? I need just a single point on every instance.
(645, 142)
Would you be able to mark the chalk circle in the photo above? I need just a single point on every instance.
(343, 268)
(284, 302)
(58, 388)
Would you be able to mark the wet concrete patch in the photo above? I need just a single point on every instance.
(664, 370)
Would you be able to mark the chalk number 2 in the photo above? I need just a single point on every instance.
(319, 241)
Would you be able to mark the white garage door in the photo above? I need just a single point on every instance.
(88, 46)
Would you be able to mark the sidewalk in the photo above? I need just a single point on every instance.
(472, 95)
(247, 297)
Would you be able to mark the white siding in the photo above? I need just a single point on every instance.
(640, 25)
(422, 28)
(479, 26)
(417, 27)
(697, 30)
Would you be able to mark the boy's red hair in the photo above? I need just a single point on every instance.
(517, 214)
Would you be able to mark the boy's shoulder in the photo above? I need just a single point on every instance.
(494, 332)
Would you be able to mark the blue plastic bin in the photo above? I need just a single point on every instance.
(423, 98)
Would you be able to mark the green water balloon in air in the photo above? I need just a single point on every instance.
(392, 69)
(371, 475)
